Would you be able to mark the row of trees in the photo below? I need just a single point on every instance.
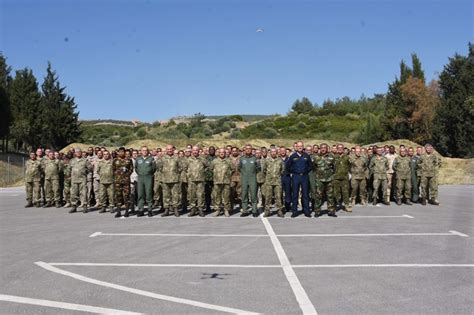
(440, 112)
(30, 117)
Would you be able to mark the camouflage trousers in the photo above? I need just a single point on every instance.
(196, 196)
(67, 190)
(96, 188)
(171, 195)
(33, 192)
(122, 193)
(51, 190)
(221, 194)
(324, 189)
(208, 193)
(133, 195)
(273, 192)
(90, 190)
(403, 188)
(235, 193)
(106, 193)
(158, 192)
(390, 188)
(184, 196)
(341, 190)
(429, 187)
(382, 184)
(261, 199)
(359, 185)
(79, 192)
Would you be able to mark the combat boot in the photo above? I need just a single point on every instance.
(399, 202)
(266, 213)
(155, 204)
(386, 202)
(226, 213)
(332, 214)
(363, 202)
(140, 212)
(216, 213)
(192, 213)
(280, 214)
(102, 210)
(73, 209)
(353, 202)
(127, 213)
(47, 205)
(166, 212)
(85, 210)
(118, 214)
(434, 202)
(37, 204)
(201, 213)
(176, 212)
(67, 205)
(423, 201)
(58, 204)
(374, 202)
(349, 209)
(408, 202)
(29, 205)
(317, 213)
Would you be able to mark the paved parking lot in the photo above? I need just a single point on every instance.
(384, 259)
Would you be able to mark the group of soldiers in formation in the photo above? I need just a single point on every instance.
(199, 180)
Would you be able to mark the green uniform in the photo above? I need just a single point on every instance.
(312, 182)
(67, 182)
(183, 178)
(379, 166)
(195, 172)
(105, 172)
(249, 167)
(358, 177)
(51, 180)
(273, 169)
(235, 187)
(261, 183)
(429, 165)
(414, 178)
(157, 185)
(341, 179)
(324, 169)
(80, 167)
(33, 181)
(209, 185)
(145, 168)
(222, 171)
(402, 169)
(170, 167)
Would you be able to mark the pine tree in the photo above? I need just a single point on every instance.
(417, 70)
(62, 126)
(454, 122)
(25, 101)
(5, 110)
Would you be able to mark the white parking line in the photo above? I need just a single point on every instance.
(450, 233)
(64, 305)
(301, 297)
(388, 266)
(142, 292)
(176, 235)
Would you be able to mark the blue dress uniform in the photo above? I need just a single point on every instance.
(286, 186)
(299, 165)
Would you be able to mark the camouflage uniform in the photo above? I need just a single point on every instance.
(122, 171)
(379, 167)
(184, 184)
(414, 178)
(429, 165)
(209, 184)
(358, 177)
(401, 166)
(341, 179)
(51, 181)
(324, 168)
(80, 167)
(222, 171)
(67, 183)
(90, 179)
(273, 169)
(96, 180)
(235, 188)
(133, 186)
(195, 171)
(157, 186)
(261, 183)
(312, 183)
(32, 182)
(171, 169)
(105, 171)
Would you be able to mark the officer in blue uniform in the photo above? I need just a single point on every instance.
(286, 181)
(299, 164)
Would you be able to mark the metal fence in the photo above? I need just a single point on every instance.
(12, 168)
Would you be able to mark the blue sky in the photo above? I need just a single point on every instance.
(151, 60)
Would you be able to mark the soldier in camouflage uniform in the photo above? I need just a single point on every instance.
(222, 171)
(95, 178)
(105, 171)
(157, 184)
(401, 166)
(184, 180)
(195, 173)
(133, 155)
(32, 181)
(41, 158)
(90, 176)
(51, 181)
(170, 167)
(67, 180)
(235, 188)
(414, 179)
(80, 167)
(260, 180)
(273, 169)
(429, 165)
(324, 168)
(369, 176)
(122, 168)
(145, 168)
(211, 155)
(341, 178)
(312, 175)
(359, 164)
(379, 166)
